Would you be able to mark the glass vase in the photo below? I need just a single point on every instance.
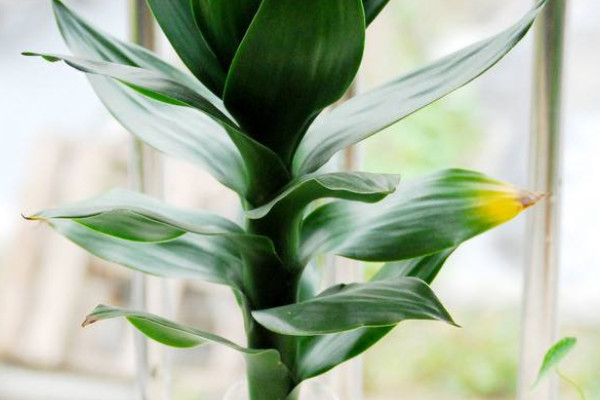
(308, 391)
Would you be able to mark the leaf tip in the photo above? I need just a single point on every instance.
(90, 319)
(529, 198)
(94, 316)
(33, 217)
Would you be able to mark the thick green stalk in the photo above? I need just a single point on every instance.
(271, 283)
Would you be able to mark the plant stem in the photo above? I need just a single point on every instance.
(572, 383)
(273, 282)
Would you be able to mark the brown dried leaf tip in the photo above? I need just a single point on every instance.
(529, 198)
(89, 320)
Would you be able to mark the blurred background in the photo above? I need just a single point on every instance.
(59, 144)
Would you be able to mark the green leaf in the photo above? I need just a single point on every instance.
(223, 24)
(159, 329)
(323, 49)
(87, 41)
(425, 268)
(422, 217)
(177, 22)
(357, 186)
(237, 161)
(208, 258)
(310, 282)
(151, 83)
(369, 113)
(266, 362)
(180, 132)
(133, 216)
(353, 306)
(555, 355)
(319, 354)
(373, 8)
(139, 217)
(177, 131)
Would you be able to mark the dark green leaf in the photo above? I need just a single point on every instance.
(209, 258)
(555, 355)
(319, 354)
(274, 98)
(367, 114)
(310, 282)
(151, 83)
(159, 329)
(223, 24)
(266, 362)
(425, 268)
(423, 217)
(136, 217)
(180, 132)
(357, 186)
(87, 41)
(251, 169)
(176, 19)
(373, 8)
(177, 131)
(348, 307)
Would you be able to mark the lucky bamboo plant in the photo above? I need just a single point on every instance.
(252, 113)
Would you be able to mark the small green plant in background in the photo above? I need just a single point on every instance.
(555, 355)
(252, 113)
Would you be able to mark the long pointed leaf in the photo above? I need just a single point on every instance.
(177, 131)
(133, 216)
(88, 41)
(355, 306)
(96, 212)
(357, 186)
(367, 114)
(425, 268)
(423, 217)
(154, 84)
(180, 132)
(323, 49)
(267, 361)
(208, 258)
(319, 354)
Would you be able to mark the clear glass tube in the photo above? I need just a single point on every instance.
(540, 291)
(152, 294)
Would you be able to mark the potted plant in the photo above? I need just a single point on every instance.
(252, 113)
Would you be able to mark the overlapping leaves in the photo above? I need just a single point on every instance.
(369, 113)
(347, 307)
(319, 354)
(208, 138)
(262, 71)
(275, 98)
(142, 233)
(423, 217)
